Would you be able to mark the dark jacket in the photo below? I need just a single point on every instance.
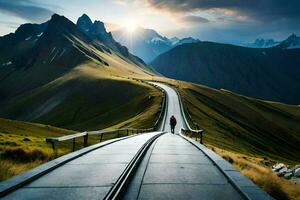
(173, 121)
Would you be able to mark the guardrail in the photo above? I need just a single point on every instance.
(85, 135)
(198, 132)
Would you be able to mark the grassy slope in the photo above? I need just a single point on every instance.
(243, 124)
(65, 102)
(23, 146)
(246, 125)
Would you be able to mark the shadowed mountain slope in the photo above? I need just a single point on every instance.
(271, 74)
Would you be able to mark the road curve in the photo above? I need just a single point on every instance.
(175, 169)
(173, 108)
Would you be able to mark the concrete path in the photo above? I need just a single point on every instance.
(88, 177)
(175, 169)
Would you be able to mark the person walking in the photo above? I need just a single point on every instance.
(173, 123)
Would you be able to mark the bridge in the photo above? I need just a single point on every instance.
(154, 165)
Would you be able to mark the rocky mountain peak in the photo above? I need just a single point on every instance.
(98, 28)
(84, 23)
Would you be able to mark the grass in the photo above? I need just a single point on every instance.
(256, 169)
(23, 146)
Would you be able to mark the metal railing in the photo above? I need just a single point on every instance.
(197, 132)
(128, 131)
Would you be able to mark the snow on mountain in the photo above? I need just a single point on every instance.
(39, 35)
(262, 43)
(7, 63)
(157, 40)
(292, 42)
(28, 38)
(187, 40)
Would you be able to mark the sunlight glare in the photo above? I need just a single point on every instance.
(131, 26)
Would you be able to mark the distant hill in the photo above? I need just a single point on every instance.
(271, 74)
(147, 43)
(55, 73)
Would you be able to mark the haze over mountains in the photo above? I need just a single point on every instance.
(270, 73)
(147, 43)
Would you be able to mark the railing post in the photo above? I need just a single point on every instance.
(127, 132)
(201, 136)
(85, 138)
(54, 145)
(73, 144)
(101, 137)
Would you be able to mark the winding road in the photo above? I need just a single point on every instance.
(172, 167)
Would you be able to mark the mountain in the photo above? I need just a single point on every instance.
(262, 43)
(54, 73)
(84, 23)
(19, 42)
(147, 43)
(271, 74)
(292, 42)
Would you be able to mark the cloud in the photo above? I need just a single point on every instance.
(194, 19)
(260, 10)
(9, 24)
(233, 20)
(25, 9)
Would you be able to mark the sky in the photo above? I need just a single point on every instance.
(228, 21)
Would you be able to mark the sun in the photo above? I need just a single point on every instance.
(131, 26)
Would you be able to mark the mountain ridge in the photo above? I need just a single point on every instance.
(291, 42)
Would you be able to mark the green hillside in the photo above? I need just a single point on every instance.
(270, 74)
(245, 125)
